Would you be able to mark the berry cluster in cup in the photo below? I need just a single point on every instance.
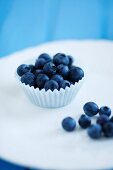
(50, 73)
(102, 127)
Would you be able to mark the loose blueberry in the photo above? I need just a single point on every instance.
(108, 129)
(69, 124)
(75, 74)
(63, 70)
(22, 69)
(38, 71)
(49, 68)
(45, 56)
(65, 84)
(58, 78)
(105, 110)
(111, 119)
(91, 109)
(60, 58)
(70, 60)
(102, 119)
(52, 85)
(41, 79)
(95, 131)
(32, 68)
(28, 78)
(40, 63)
(84, 121)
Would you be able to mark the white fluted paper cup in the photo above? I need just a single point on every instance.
(50, 99)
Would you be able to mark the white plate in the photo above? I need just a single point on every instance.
(33, 136)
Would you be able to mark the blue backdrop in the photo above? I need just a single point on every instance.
(25, 23)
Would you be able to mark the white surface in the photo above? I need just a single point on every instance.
(33, 136)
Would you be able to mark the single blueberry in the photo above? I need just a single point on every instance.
(58, 78)
(105, 110)
(49, 68)
(63, 70)
(102, 119)
(32, 67)
(69, 124)
(70, 60)
(108, 129)
(95, 131)
(91, 109)
(75, 74)
(28, 78)
(38, 71)
(65, 84)
(111, 119)
(51, 85)
(40, 63)
(84, 121)
(22, 69)
(45, 56)
(60, 58)
(41, 79)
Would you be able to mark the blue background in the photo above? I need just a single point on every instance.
(25, 23)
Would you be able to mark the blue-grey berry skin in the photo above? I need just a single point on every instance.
(84, 121)
(102, 119)
(75, 74)
(38, 71)
(64, 84)
(51, 85)
(50, 69)
(58, 78)
(108, 129)
(91, 109)
(28, 78)
(22, 69)
(41, 79)
(45, 56)
(105, 110)
(95, 131)
(60, 58)
(63, 70)
(32, 68)
(111, 119)
(40, 63)
(70, 60)
(69, 124)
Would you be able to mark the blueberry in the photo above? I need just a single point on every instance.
(69, 124)
(22, 69)
(28, 78)
(108, 129)
(76, 74)
(102, 119)
(105, 110)
(95, 131)
(49, 68)
(60, 58)
(65, 84)
(111, 119)
(52, 85)
(40, 63)
(32, 68)
(84, 121)
(45, 56)
(91, 109)
(70, 60)
(58, 78)
(63, 70)
(38, 71)
(41, 79)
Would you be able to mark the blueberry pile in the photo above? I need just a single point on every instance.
(102, 127)
(50, 73)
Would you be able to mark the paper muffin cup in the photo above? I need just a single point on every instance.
(50, 99)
